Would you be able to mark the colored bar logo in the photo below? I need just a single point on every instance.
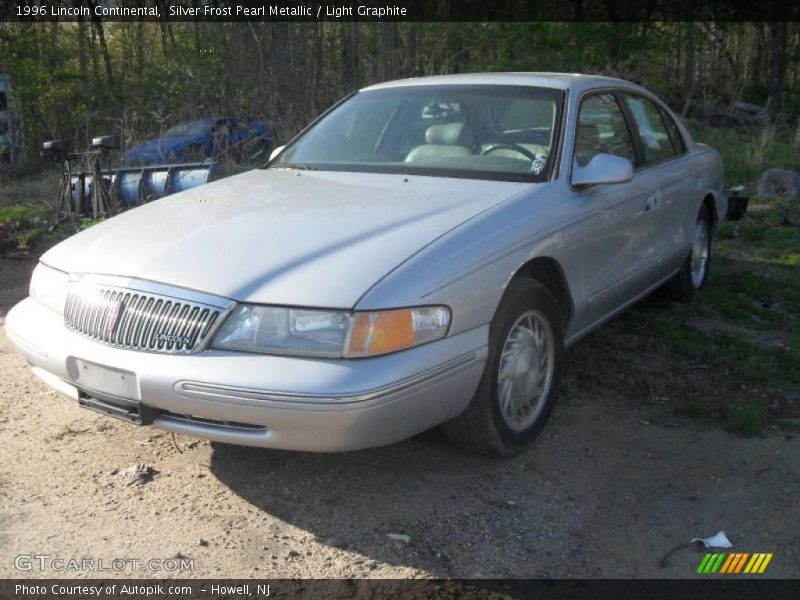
(735, 562)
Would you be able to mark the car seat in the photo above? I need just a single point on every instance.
(446, 140)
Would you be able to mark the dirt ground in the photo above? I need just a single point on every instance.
(613, 485)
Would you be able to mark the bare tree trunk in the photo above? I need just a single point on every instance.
(777, 70)
(93, 54)
(411, 62)
(82, 54)
(389, 31)
(318, 54)
(797, 135)
(689, 69)
(280, 42)
(139, 48)
(162, 26)
(101, 36)
(349, 56)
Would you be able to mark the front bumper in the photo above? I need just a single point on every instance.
(318, 405)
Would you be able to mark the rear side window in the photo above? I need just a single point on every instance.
(652, 129)
(674, 133)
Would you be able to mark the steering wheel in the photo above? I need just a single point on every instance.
(510, 146)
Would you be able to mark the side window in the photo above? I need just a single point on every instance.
(674, 133)
(652, 130)
(602, 130)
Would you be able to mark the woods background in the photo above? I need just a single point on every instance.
(76, 80)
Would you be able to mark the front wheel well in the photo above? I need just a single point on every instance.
(549, 273)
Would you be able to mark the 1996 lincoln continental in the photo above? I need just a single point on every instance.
(420, 255)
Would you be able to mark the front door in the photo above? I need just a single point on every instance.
(620, 254)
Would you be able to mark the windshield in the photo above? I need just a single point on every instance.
(190, 128)
(477, 131)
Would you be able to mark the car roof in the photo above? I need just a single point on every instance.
(561, 81)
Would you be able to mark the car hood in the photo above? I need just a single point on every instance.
(281, 236)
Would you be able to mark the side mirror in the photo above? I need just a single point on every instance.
(603, 168)
(276, 151)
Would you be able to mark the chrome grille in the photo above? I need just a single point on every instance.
(138, 320)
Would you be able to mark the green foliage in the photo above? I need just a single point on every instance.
(747, 154)
(745, 322)
(151, 75)
(745, 419)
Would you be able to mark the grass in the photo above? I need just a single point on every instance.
(788, 425)
(747, 154)
(745, 419)
(752, 301)
(29, 211)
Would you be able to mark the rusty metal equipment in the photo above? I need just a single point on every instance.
(99, 190)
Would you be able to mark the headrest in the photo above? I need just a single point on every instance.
(588, 133)
(449, 134)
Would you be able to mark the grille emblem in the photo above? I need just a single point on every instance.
(113, 316)
(173, 339)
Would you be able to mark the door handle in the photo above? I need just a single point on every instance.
(651, 203)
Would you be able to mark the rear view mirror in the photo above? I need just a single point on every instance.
(602, 168)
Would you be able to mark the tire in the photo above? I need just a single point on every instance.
(693, 274)
(487, 428)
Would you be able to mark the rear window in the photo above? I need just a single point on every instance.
(518, 115)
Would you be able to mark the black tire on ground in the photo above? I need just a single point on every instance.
(481, 428)
(683, 286)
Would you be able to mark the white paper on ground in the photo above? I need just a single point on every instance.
(715, 541)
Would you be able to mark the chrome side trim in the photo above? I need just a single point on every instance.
(211, 391)
(591, 327)
(612, 289)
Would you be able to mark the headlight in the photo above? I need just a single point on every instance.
(304, 332)
(49, 287)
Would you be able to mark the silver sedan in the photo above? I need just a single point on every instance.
(419, 255)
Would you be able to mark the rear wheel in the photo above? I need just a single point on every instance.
(694, 272)
(523, 373)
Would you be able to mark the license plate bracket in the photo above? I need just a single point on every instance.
(132, 411)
